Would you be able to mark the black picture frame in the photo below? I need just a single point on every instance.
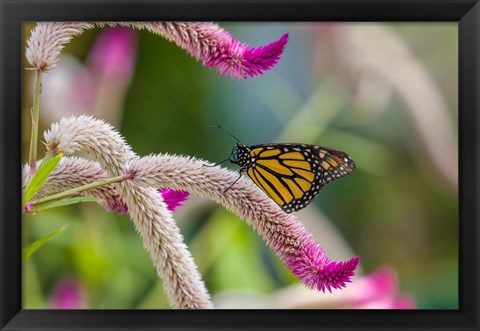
(14, 12)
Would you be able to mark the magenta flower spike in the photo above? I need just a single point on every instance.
(313, 267)
(216, 48)
(205, 41)
(238, 60)
(173, 198)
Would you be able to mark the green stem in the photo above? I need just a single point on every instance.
(80, 189)
(32, 159)
(48, 156)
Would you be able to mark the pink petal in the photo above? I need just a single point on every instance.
(173, 198)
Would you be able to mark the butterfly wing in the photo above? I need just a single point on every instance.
(334, 164)
(293, 174)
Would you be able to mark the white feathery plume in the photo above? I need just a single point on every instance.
(152, 219)
(47, 41)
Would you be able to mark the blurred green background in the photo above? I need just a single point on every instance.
(386, 94)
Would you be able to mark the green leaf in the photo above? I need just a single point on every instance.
(33, 247)
(61, 203)
(39, 178)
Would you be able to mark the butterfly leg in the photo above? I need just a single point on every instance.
(229, 158)
(236, 180)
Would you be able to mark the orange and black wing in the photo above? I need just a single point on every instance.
(293, 174)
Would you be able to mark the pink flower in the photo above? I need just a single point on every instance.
(114, 53)
(67, 295)
(238, 60)
(98, 87)
(173, 198)
(205, 41)
(379, 290)
(317, 271)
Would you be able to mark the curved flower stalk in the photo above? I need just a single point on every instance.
(216, 48)
(151, 217)
(283, 232)
(205, 41)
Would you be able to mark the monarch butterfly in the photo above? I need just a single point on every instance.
(290, 174)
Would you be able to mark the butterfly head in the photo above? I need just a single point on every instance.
(241, 156)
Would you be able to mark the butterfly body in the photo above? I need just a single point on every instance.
(291, 174)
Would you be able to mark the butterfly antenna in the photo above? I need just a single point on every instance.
(226, 131)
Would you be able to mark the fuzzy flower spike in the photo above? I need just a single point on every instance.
(146, 208)
(287, 236)
(205, 41)
(283, 232)
(217, 48)
(47, 41)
